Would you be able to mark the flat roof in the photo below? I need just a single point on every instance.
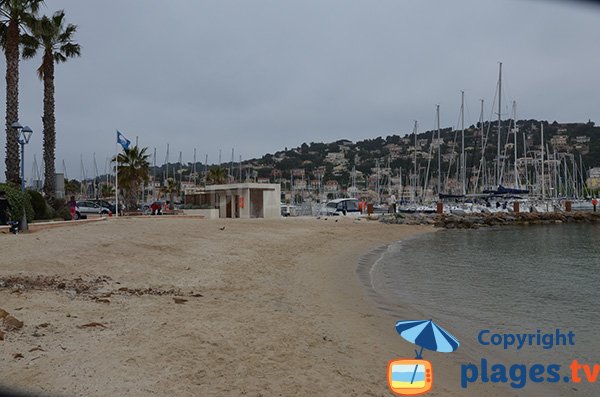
(240, 186)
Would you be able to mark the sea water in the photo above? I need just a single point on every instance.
(509, 280)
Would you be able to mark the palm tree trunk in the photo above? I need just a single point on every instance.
(132, 195)
(49, 122)
(12, 102)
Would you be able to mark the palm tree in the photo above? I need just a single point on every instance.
(107, 191)
(217, 175)
(72, 186)
(170, 189)
(133, 170)
(13, 14)
(56, 39)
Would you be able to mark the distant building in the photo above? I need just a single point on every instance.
(593, 180)
(582, 139)
(299, 184)
(582, 149)
(298, 172)
(559, 141)
(332, 186)
(335, 158)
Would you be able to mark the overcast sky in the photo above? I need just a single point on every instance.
(262, 75)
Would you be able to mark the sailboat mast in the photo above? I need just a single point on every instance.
(482, 165)
(194, 168)
(154, 176)
(463, 168)
(180, 169)
(439, 151)
(525, 160)
(377, 183)
(499, 124)
(96, 183)
(389, 170)
(415, 159)
(231, 166)
(167, 161)
(542, 167)
(515, 139)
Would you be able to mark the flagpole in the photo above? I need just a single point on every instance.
(117, 179)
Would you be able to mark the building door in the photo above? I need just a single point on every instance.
(228, 207)
(256, 203)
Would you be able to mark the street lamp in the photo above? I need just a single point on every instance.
(24, 136)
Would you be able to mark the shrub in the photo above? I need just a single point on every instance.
(40, 208)
(60, 209)
(17, 201)
(63, 213)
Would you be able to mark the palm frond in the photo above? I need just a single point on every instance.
(3, 30)
(70, 50)
(30, 46)
(58, 57)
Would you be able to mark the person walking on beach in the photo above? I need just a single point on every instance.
(72, 207)
(4, 208)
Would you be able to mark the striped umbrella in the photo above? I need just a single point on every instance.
(428, 335)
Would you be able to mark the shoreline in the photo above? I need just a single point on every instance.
(481, 220)
(470, 351)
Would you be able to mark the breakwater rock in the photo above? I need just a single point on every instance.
(477, 220)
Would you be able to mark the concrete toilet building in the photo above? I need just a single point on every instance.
(244, 200)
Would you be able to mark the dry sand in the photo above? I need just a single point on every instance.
(281, 312)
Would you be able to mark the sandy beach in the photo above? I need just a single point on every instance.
(190, 307)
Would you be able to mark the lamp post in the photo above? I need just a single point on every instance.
(24, 136)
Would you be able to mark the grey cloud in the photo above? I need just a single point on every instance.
(260, 75)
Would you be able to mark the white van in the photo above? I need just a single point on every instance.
(345, 206)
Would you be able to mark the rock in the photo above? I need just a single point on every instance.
(179, 300)
(1, 335)
(11, 323)
(3, 313)
(92, 325)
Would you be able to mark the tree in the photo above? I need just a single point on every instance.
(107, 191)
(217, 175)
(13, 14)
(133, 169)
(56, 39)
(171, 188)
(72, 187)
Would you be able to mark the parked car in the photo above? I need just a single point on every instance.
(345, 206)
(111, 206)
(286, 210)
(91, 207)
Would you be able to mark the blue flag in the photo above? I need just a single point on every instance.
(122, 140)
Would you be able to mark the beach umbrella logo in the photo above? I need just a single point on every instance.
(411, 377)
